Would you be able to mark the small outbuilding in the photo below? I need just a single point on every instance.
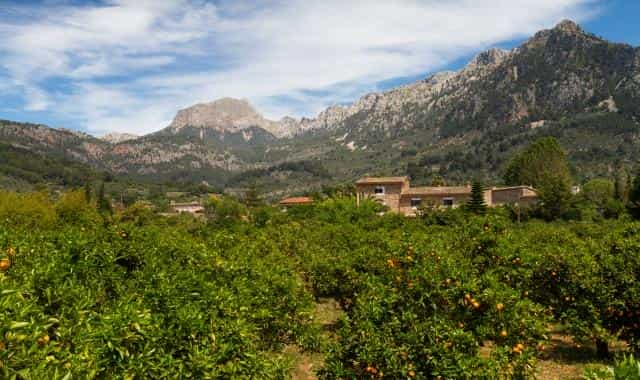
(296, 201)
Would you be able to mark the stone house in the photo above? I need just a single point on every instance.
(397, 194)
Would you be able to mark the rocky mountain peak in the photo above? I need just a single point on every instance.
(565, 28)
(568, 26)
(490, 57)
(231, 115)
(226, 114)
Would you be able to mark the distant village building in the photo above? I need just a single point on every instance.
(396, 194)
(296, 201)
(194, 208)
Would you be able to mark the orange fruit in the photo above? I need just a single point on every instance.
(475, 304)
(503, 333)
(4, 264)
(412, 373)
(43, 340)
(500, 307)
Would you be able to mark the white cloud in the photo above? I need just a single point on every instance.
(129, 65)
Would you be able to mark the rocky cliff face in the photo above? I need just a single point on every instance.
(116, 138)
(557, 71)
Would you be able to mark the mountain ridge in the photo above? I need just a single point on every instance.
(559, 82)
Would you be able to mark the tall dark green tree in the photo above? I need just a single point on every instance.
(634, 197)
(476, 203)
(533, 165)
(252, 196)
(103, 203)
(621, 185)
(87, 191)
(543, 165)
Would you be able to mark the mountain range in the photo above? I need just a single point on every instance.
(562, 82)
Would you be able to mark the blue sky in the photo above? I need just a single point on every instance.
(129, 65)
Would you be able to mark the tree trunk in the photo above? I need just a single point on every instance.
(602, 348)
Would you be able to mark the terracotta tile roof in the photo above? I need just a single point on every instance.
(374, 180)
(438, 190)
(297, 201)
(505, 188)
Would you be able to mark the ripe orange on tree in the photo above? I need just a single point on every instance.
(5, 264)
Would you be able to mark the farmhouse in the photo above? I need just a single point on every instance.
(399, 196)
(195, 208)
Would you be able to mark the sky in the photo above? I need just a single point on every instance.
(130, 65)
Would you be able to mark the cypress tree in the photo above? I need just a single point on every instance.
(634, 198)
(476, 203)
(87, 192)
(103, 202)
(252, 196)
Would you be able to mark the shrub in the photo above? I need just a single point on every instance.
(73, 207)
(26, 210)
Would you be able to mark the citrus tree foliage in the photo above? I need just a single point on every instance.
(448, 295)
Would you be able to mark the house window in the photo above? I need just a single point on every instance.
(447, 202)
(415, 202)
(378, 190)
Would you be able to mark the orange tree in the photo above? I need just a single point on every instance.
(125, 301)
(586, 275)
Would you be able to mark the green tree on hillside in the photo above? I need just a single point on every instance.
(599, 192)
(543, 165)
(476, 203)
(533, 166)
(622, 184)
(634, 197)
